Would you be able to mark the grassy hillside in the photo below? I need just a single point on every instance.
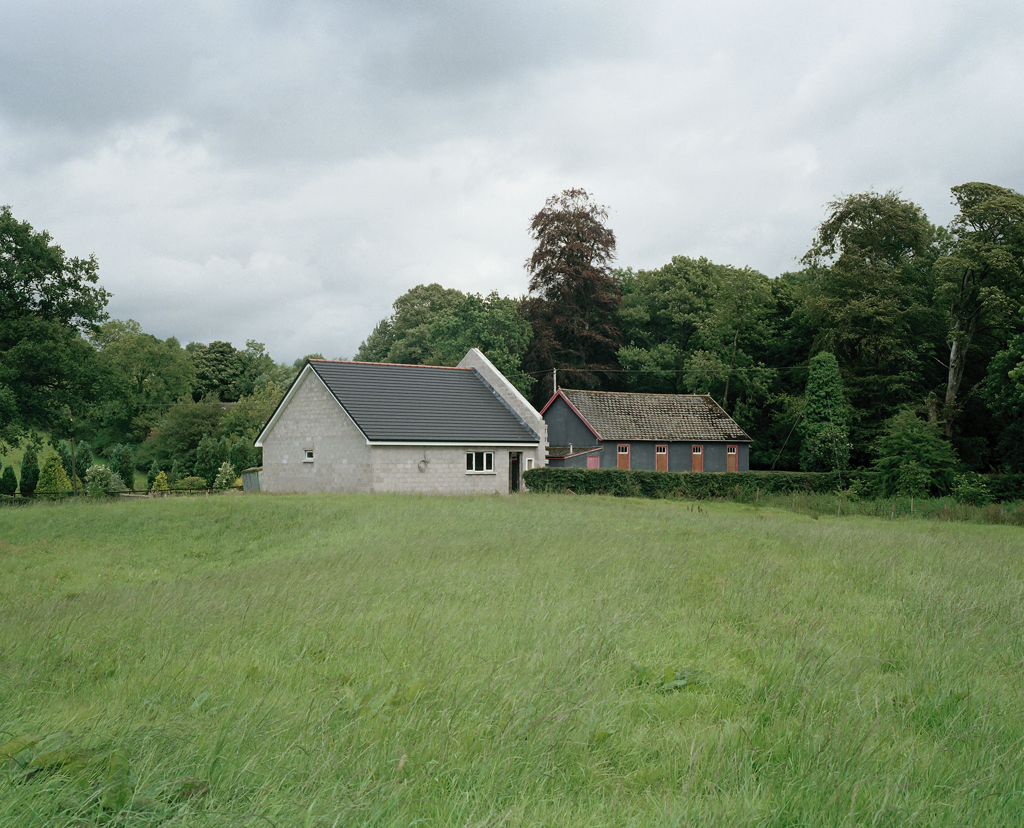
(530, 660)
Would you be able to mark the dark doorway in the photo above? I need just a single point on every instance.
(513, 470)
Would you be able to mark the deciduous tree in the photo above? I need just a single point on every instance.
(47, 300)
(573, 294)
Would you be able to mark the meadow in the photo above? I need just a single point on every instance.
(528, 660)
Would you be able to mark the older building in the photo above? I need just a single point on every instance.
(655, 432)
(377, 427)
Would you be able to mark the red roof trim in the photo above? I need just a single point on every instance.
(575, 410)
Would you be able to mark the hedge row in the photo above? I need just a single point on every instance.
(695, 486)
(732, 485)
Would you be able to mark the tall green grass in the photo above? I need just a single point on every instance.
(390, 660)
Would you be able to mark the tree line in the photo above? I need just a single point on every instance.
(896, 342)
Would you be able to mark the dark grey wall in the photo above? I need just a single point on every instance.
(565, 427)
(680, 455)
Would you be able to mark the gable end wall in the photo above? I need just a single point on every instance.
(314, 420)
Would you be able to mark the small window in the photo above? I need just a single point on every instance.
(529, 463)
(661, 449)
(730, 449)
(623, 449)
(697, 449)
(479, 462)
(308, 456)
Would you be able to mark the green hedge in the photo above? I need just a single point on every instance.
(1004, 488)
(699, 486)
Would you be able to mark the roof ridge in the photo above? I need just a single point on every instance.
(389, 364)
(631, 393)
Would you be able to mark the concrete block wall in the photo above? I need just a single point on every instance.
(342, 461)
(515, 400)
(437, 470)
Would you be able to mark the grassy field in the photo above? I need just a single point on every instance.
(563, 661)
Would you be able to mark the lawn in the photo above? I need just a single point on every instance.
(530, 660)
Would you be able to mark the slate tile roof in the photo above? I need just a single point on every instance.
(670, 417)
(418, 403)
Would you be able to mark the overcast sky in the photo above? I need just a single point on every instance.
(283, 171)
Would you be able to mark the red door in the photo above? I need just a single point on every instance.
(661, 458)
(731, 459)
(623, 457)
(698, 459)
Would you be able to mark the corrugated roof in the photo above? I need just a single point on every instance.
(418, 403)
(683, 417)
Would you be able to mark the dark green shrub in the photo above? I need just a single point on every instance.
(122, 463)
(210, 455)
(970, 488)
(154, 470)
(174, 474)
(29, 471)
(696, 486)
(8, 482)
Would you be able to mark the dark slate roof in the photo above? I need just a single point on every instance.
(682, 417)
(418, 403)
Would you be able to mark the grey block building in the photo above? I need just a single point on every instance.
(376, 427)
(653, 432)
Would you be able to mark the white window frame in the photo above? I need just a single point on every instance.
(483, 459)
(529, 463)
(307, 456)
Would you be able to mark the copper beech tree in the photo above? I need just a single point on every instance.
(573, 294)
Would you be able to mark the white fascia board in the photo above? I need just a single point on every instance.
(301, 378)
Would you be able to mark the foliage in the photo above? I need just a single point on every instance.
(29, 470)
(97, 480)
(573, 294)
(244, 455)
(8, 481)
(873, 303)
(52, 478)
(970, 488)
(177, 435)
(225, 476)
(404, 337)
(192, 483)
(122, 463)
(159, 483)
(154, 470)
(622, 483)
(117, 483)
(75, 461)
(246, 418)
(47, 299)
(174, 474)
(824, 426)
(981, 281)
(907, 440)
(144, 377)
(493, 325)
(210, 455)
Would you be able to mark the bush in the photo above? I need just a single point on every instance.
(154, 470)
(97, 480)
(225, 476)
(174, 475)
(190, 483)
(53, 480)
(970, 488)
(210, 455)
(8, 482)
(117, 484)
(159, 483)
(122, 463)
(29, 471)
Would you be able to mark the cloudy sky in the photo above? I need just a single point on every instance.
(283, 171)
